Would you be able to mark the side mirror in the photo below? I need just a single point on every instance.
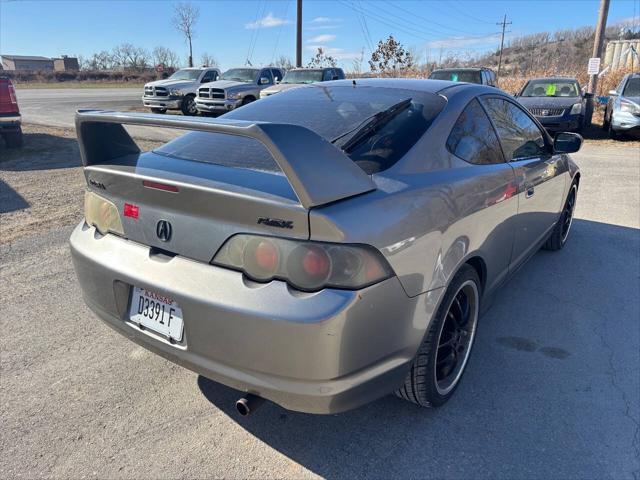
(613, 93)
(565, 142)
(264, 80)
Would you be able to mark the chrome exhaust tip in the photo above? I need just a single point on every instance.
(248, 404)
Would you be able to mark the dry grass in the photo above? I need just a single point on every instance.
(87, 84)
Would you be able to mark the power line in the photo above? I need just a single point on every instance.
(275, 47)
(452, 5)
(366, 28)
(426, 20)
(255, 39)
(253, 34)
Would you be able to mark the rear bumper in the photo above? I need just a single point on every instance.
(211, 106)
(168, 103)
(10, 122)
(324, 352)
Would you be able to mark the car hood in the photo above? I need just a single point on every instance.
(635, 100)
(549, 102)
(283, 86)
(170, 83)
(230, 84)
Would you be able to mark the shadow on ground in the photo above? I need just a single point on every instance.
(10, 200)
(41, 151)
(539, 398)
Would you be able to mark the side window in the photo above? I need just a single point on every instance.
(266, 73)
(338, 72)
(327, 75)
(520, 136)
(277, 74)
(210, 76)
(473, 138)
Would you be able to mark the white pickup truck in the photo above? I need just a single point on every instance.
(178, 92)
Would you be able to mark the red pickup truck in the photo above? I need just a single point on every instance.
(10, 119)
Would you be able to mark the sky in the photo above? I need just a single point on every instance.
(263, 30)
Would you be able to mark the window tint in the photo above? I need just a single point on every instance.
(473, 138)
(277, 74)
(519, 135)
(632, 89)
(327, 75)
(210, 76)
(266, 73)
(339, 73)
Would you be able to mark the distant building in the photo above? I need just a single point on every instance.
(622, 53)
(21, 62)
(66, 64)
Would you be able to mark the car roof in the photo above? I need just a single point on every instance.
(470, 69)
(416, 84)
(319, 69)
(554, 79)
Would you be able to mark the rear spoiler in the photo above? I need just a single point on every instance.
(318, 172)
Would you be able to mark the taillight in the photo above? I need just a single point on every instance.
(102, 214)
(305, 265)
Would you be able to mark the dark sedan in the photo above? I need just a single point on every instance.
(557, 103)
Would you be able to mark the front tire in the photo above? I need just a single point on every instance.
(158, 110)
(442, 357)
(560, 233)
(188, 106)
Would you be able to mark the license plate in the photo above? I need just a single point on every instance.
(156, 312)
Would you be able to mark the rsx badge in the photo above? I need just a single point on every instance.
(275, 222)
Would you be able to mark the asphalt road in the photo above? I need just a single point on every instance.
(552, 389)
(56, 107)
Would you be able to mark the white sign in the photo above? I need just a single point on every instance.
(594, 66)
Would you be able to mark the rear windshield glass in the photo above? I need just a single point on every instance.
(551, 88)
(469, 76)
(333, 113)
(302, 76)
(632, 89)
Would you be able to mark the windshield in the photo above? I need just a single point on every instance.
(469, 76)
(186, 75)
(302, 76)
(632, 89)
(551, 88)
(240, 75)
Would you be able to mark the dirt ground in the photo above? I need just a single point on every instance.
(41, 184)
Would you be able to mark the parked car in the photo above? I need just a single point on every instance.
(303, 76)
(236, 87)
(622, 113)
(557, 102)
(482, 75)
(178, 92)
(10, 119)
(326, 247)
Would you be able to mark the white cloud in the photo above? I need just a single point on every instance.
(267, 22)
(462, 42)
(322, 38)
(337, 53)
(321, 20)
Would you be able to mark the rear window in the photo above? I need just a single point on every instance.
(328, 111)
(468, 76)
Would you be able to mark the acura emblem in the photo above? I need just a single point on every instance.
(545, 112)
(163, 230)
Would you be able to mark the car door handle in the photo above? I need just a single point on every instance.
(530, 191)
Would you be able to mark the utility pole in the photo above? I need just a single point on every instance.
(299, 36)
(504, 24)
(598, 41)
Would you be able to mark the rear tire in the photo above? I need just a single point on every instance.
(13, 138)
(442, 357)
(247, 100)
(560, 233)
(613, 135)
(188, 106)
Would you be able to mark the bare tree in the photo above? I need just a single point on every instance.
(130, 57)
(208, 60)
(390, 57)
(321, 59)
(284, 62)
(185, 17)
(165, 57)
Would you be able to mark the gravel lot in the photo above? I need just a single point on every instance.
(552, 390)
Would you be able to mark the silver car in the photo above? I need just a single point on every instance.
(622, 113)
(322, 248)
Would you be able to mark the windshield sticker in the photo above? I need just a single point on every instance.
(551, 90)
(454, 77)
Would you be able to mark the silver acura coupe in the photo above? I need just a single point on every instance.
(323, 247)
